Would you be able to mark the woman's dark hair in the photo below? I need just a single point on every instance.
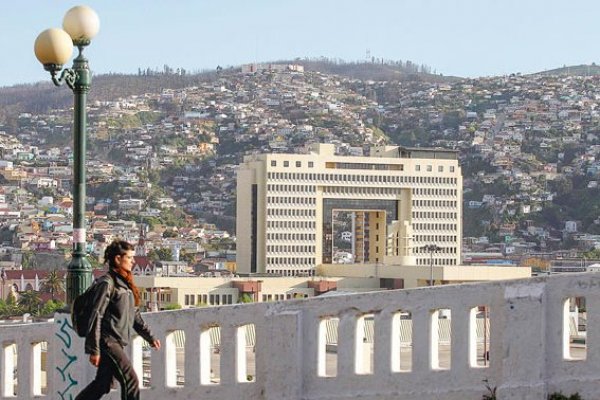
(120, 248)
(116, 248)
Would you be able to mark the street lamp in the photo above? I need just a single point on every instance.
(431, 248)
(53, 48)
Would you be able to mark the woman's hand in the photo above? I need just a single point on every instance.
(155, 344)
(95, 359)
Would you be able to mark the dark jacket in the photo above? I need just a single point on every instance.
(116, 316)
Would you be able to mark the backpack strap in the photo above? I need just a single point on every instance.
(109, 279)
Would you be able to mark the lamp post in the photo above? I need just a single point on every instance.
(53, 48)
(431, 248)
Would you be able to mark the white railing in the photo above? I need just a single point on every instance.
(342, 347)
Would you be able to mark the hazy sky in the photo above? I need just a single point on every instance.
(454, 37)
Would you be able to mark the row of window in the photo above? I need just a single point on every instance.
(272, 261)
(361, 190)
(434, 192)
(290, 249)
(290, 212)
(441, 250)
(292, 224)
(213, 299)
(429, 168)
(435, 227)
(343, 178)
(436, 261)
(434, 238)
(291, 236)
(286, 296)
(434, 214)
(291, 200)
(292, 272)
(162, 297)
(434, 203)
(292, 188)
(286, 164)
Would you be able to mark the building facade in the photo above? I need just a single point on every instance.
(292, 209)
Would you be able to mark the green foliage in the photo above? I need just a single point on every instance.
(9, 307)
(593, 254)
(29, 302)
(246, 298)
(190, 258)
(28, 260)
(50, 307)
(53, 284)
(172, 306)
(169, 233)
(162, 254)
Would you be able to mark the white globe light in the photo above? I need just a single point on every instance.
(81, 23)
(53, 46)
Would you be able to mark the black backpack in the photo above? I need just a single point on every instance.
(83, 306)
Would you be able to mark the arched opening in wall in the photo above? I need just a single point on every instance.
(141, 359)
(440, 340)
(365, 341)
(327, 348)
(402, 342)
(9, 361)
(246, 353)
(175, 358)
(479, 337)
(210, 355)
(39, 368)
(575, 342)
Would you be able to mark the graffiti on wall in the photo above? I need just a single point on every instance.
(66, 358)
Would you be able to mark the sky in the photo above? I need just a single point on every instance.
(468, 38)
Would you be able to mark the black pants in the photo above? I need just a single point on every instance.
(113, 364)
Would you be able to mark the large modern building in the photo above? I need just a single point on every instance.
(297, 212)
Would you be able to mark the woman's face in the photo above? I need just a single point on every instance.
(125, 261)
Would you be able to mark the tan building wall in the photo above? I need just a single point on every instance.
(416, 276)
(158, 292)
(285, 201)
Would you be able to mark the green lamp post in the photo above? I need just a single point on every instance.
(53, 48)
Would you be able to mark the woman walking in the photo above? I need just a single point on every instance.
(117, 316)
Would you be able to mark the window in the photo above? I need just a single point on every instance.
(273, 163)
(451, 169)
(311, 164)
(286, 163)
(417, 167)
(298, 164)
(440, 168)
(429, 168)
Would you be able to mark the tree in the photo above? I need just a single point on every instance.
(53, 284)
(190, 258)
(162, 254)
(169, 233)
(246, 298)
(28, 260)
(50, 307)
(29, 301)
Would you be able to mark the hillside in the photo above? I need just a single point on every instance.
(573, 70)
(376, 71)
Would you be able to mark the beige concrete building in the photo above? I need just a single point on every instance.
(159, 292)
(293, 209)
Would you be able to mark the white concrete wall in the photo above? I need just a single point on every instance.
(527, 340)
